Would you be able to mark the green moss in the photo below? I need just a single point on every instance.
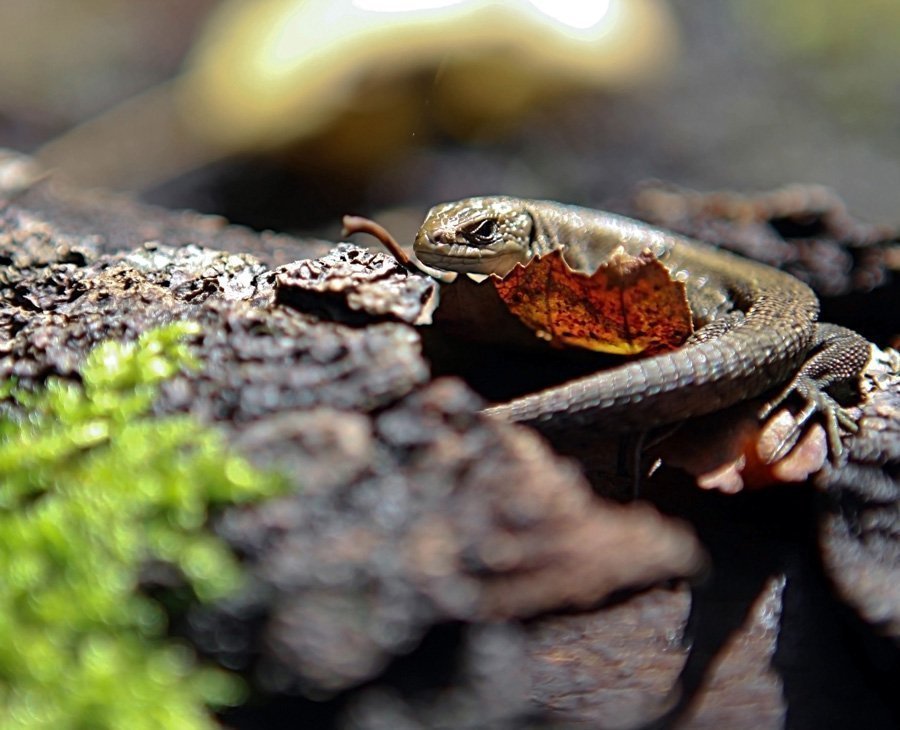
(91, 488)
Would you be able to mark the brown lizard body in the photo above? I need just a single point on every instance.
(757, 325)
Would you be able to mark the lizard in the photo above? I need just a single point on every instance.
(756, 326)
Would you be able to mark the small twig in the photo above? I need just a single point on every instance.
(358, 224)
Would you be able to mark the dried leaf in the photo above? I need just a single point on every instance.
(630, 305)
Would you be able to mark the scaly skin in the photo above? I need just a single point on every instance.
(757, 330)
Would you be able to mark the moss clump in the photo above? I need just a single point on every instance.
(91, 488)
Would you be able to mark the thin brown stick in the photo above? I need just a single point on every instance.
(358, 224)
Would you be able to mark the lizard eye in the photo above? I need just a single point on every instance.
(481, 232)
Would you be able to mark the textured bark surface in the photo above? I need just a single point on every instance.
(425, 571)
(860, 524)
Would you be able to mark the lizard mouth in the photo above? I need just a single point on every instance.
(464, 258)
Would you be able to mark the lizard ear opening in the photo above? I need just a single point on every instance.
(532, 234)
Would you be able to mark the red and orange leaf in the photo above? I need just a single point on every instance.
(630, 305)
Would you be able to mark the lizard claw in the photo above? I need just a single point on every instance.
(816, 401)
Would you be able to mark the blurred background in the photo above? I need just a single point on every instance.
(286, 114)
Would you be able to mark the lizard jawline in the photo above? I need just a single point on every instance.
(472, 260)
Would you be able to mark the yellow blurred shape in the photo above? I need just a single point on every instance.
(358, 80)
(274, 70)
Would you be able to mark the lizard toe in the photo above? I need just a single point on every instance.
(816, 401)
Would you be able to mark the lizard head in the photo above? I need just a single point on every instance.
(486, 235)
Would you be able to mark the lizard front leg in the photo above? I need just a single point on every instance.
(838, 358)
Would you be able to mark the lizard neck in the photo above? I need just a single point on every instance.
(547, 232)
(587, 236)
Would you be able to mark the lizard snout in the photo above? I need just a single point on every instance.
(441, 237)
